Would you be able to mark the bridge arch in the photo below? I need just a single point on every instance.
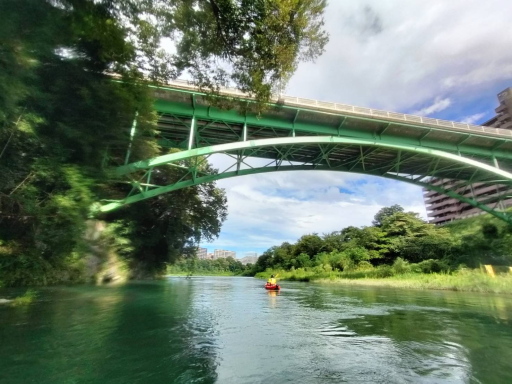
(412, 164)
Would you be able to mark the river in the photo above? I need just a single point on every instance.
(230, 330)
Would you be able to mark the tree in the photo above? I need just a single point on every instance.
(265, 260)
(334, 241)
(385, 212)
(375, 241)
(171, 225)
(350, 233)
(435, 244)
(490, 231)
(404, 224)
(252, 45)
(414, 240)
(310, 245)
(283, 256)
(63, 117)
(303, 260)
(58, 114)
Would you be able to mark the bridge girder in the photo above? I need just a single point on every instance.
(300, 134)
(284, 122)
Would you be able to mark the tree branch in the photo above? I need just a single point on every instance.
(20, 184)
(216, 13)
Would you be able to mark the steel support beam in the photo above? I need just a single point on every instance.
(305, 140)
(215, 177)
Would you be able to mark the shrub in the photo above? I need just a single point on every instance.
(25, 299)
(400, 266)
(432, 266)
(383, 271)
(364, 266)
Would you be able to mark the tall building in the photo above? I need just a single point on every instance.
(442, 209)
(503, 118)
(202, 253)
(218, 253)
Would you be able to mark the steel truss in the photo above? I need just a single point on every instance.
(415, 165)
(416, 150)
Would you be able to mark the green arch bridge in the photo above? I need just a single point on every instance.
(303, 134)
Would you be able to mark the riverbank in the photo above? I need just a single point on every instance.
(203, 273)
(472, 283)
(464, 280)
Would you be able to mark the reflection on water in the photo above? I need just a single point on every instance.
(139, 333)
(436, 336)
(272, 297)
(231, 330)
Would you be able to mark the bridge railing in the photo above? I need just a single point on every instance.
(362, 111)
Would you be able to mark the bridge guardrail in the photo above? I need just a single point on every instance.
(363, 111)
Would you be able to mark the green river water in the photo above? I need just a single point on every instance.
(230, 330)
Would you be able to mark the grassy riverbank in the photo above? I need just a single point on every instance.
(463, 280)
(203, 273)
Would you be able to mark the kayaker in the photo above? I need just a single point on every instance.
(272, 280)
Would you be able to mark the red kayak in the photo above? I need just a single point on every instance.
(272, 287)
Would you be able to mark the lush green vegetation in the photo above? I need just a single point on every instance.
(219, 267)
(402, 249)
(64, 121)
(412, 277)
(28, 297)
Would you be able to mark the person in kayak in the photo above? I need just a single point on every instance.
(272, 280)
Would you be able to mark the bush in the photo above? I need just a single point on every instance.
(400, 266)
(25, 299)
(364, 266)
(432, 266)
(383, 271)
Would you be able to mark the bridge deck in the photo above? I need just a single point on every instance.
(296, 117)
(346, 109)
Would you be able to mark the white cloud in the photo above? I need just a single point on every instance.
(399, 55)
(424, 48)
(267, 209)
(473, 119)
(438, 106)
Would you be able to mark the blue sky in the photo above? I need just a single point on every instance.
(438, 58)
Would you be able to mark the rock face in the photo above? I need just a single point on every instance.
(102, 264)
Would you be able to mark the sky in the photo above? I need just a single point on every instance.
(437, 58)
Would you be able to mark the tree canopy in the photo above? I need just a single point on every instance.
(400, 240)
(384, 213)
(64, 120)
(254, 46)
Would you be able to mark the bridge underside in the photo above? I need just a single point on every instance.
(293, 138)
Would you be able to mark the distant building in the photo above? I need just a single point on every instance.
(221, 253)
(202, 253)
(249, 259)
(442, 209)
